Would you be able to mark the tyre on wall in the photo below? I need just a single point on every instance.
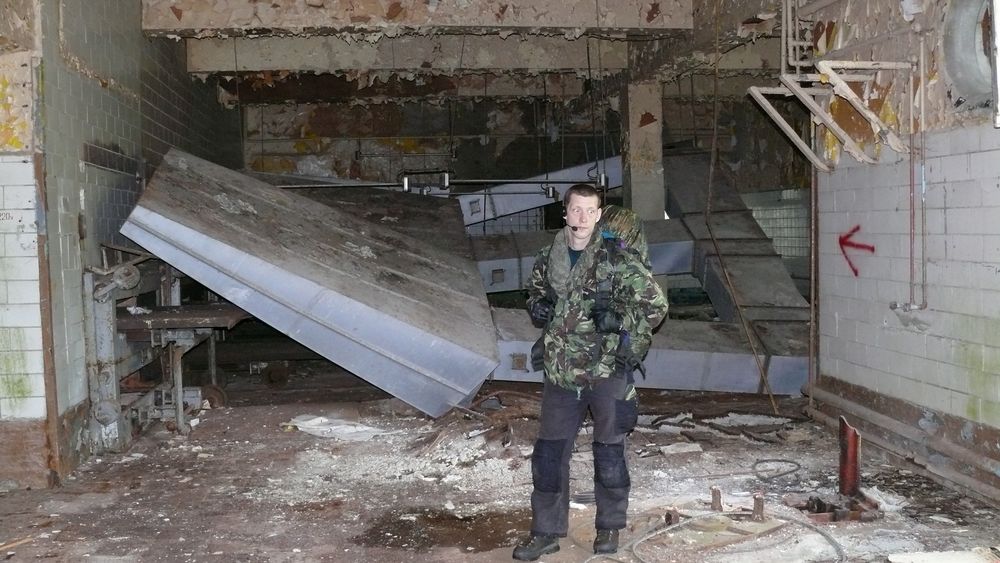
(967, 49)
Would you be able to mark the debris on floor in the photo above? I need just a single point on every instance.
(974, 555)
(457, 489)
(338, 428)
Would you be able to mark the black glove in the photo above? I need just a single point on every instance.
(538, 355)
(605, 320)
(626, 362)
(541, 312)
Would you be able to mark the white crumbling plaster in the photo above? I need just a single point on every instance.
(882, 30)
(198, 18)
(17, 25)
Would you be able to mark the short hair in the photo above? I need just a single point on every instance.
(582, 190)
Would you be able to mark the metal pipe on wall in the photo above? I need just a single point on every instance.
(813, 274)
(911, 304)
(923, 176)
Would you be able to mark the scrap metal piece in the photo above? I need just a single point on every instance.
(673, 516)
(407, 317)
(835, 508)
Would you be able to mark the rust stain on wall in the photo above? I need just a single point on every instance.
(854, 124)
(273, 164)
(24, 453)
(394, 11)
(653, 12)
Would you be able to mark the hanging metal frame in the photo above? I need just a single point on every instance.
(814, 82)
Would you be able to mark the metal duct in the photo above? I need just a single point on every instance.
(688, 355)
(505, 199)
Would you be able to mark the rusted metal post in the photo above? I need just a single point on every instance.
(758, 508)
(849, 471)
(673, 516)
(716, 499)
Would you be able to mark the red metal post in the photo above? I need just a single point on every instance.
(850, 475)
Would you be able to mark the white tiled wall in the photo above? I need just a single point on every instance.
(22, 386)
(946, 357)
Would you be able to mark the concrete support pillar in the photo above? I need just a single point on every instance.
(642, 155)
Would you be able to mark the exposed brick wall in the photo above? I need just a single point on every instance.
(946, 357)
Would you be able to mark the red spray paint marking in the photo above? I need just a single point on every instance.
(846, 242)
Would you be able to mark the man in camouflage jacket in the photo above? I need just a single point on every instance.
(596, 299)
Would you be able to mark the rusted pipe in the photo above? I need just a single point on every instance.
(850, 474)
(813, 274)
(979, 489)
(57, 461)
(920, 438)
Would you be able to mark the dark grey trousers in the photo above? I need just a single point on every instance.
(562, 416)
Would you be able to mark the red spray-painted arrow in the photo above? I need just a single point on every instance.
(846, 242)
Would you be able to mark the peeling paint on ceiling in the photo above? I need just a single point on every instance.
(197, 18)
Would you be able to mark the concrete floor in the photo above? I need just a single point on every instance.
(244, 487)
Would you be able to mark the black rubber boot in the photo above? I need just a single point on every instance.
(537, 546)
(606, 541)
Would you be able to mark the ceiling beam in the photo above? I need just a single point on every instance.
(277, 88)
(444, 54)
(216, 18)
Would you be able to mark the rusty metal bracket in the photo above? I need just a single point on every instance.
(759, 95)
(826, 119)
(843, 89)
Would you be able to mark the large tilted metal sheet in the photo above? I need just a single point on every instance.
(404, 315)
(434, 220)
(689, 355)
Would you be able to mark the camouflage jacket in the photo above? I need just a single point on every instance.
(575, 353)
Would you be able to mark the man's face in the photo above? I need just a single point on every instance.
(583, 212)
